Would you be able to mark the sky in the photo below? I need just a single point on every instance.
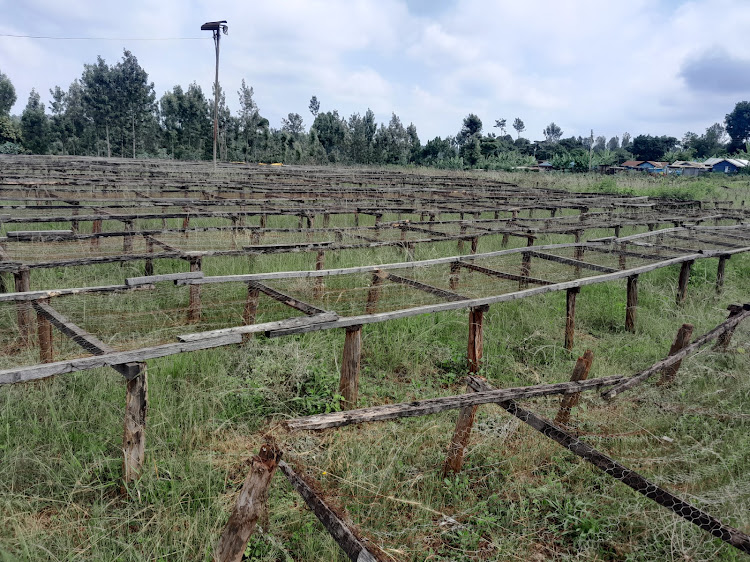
(660, 67)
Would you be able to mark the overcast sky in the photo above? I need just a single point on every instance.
(646, 67)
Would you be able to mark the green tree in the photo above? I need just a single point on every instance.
(254, 128)
(552, 133)
(134, 95)
(613, 143)
(500, 124)
(293, 124)
(738, 126)
(332, 132)
(519, 126)
(314, 106)
(98, 96)
(646, 147)
(362, 131)
(7, 94)
(35, 125)
(472, 126)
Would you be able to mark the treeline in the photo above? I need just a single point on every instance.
(113, 111)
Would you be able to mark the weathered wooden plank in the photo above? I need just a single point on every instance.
(630, 478)
(87, 341)
(580, 373)
(631, 303)
(35, 372)
(150, 279)
(644, 375)
(570, 316)
(575, 263)
(289, 323)
(682, 283)
(350, 367)
(502, 274)
(355, 547)
(443, 294)
(286, 299)
(436, 405)
(134, 432)
(251, 505)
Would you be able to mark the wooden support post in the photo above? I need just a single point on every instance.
(44, 333)
(682, 339)
(134, 436)
(148, 268)
(410, 251)
(263, 220)
(683, 281)
(462, 433)
(127, 239)
(249, 507)
(506, 239)
(570, 316)
(432, 217)
(525, 269)
(580, 373)
(319, 287)
(186, 225)
(722, 342)
(617, 231)
(22, 279)
(350, 364)
(356, 219)
(373, 295)
(96, 228)
(455, 275)
(631, 304)
(621, 260)
(474, 244)
(326, 220)
(74, 223)
(462, 231)
(250, 310)
(194, 306)
(651, 226)
(577, 251)
(720, 272)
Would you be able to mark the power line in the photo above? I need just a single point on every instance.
(102, 38)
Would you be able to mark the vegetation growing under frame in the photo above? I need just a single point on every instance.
(519, 496)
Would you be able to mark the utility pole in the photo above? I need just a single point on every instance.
(216, 27)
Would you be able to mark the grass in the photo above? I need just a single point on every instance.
(520, 496)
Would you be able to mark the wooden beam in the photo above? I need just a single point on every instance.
(355, 547)
(286, 299)
(443, 294)
(643, 376)
(134, 433)
(502, 275)
(436, 405)
(570, 316)
(44, 331)
(631, 303)
(629, 477)
(720, 273)
(265, 327)
(24, 318)
(682, 283)
(722, 342)
(150, 279)
(575, 263)
(250, 506)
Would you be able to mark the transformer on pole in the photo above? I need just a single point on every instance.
(216, 27)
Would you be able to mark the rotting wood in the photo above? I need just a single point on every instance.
(436, 405)
(570, 401)
(501, 274)
(350, 367)
(631, 303)
(523, 282)
(345, 535)
(265, 327)
(644, 375)
(570, 316)
(568, 261)
(134, 434)
(286, 299)
(682, 283)
(250, 506)
(682, 339)
(630, 478)
(250, 310)
(373, 294)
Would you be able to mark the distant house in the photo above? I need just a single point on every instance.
(726, 165)
(631, 164)
(653, 167)
(687, 168)
(545, 166)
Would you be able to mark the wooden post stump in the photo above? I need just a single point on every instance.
(455, 275)
(134, 435)
(127, 239)
(44, 334)
(631, 305)
(462, 433)
(22, 279)
(681, 340)
(250, 310)
(525, 270)
(474, 244)
(569, 401)
(373, 295)
(720, 272)
(570, 316)
(249, 507)
(683, 281)
(505, 240)
(96, 228)
(194, 306)
(722, 342)
(148, 268)
(319, 287)
(350, 365)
